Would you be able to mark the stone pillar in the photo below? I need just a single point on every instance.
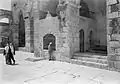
(14, 37)
(113, 38)
(64, 45)
(32, 35)
(27, 35)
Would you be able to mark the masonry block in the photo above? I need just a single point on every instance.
(114, 44)
(116, 37)
(117, 64)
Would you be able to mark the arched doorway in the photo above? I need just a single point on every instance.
(21, 30)
(47, 39)
(91, 39)
(81, 36)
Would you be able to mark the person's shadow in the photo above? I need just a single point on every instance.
(14, 64)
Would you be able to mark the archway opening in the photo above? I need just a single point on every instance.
(81, 36)
(21, 31)
(91, 42)
(4, 31)
(47, 39)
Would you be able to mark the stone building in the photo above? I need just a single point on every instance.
(74, 26)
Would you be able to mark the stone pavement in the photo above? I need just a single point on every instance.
(53, 72)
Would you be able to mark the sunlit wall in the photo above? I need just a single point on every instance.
(5, 4)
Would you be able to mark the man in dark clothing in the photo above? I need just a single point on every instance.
(7, 54)
(50, 50)
(12, 53)
(9, 51)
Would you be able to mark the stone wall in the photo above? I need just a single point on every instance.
(11, 32)
(51, 25)
(3, 34)
(101, 28)
(14, 35)
(41, 28)
(24, 6)
(76, 23)
(113, 36)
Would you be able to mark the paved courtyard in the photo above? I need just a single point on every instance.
(53, 72)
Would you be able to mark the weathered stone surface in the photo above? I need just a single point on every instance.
(117, 64)
(117, 58)
(116, 37)
(108, 38)
(114, 44)
(111, 51)
(117, 51)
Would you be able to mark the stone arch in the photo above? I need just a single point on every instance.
(21, 30)
(47, 39)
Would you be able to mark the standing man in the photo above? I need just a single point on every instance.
(6, 54)
(50, 50)
(12, 53)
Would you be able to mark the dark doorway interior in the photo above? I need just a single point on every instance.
(81, 35)
(21, 31)
(4, 42)
(47, 39)
(91, 39)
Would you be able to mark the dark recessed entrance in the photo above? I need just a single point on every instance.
(91, 39)
(81, 36)
(21, 31)
(47, 39)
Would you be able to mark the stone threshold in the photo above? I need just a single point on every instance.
(78, 62)
(92, 59)
(104, 66)
(88, 64)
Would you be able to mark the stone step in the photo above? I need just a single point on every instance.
(90, 55)
(91, 60)
(97, 60)
(99, 48)
(97, 51)
(90, 64)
